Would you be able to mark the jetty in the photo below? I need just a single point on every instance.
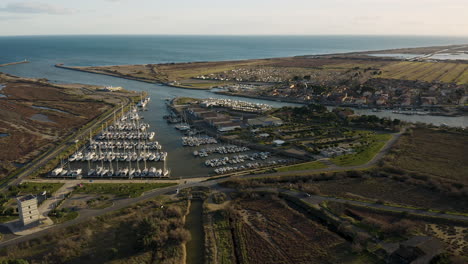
(14, 63)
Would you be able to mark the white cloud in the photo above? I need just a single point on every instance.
(36, 8)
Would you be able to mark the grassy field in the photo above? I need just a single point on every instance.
(120, 189)
(61, 216)
(427, 71)
(303, 166)
(364, 154)
(37, 188)
(432, 152)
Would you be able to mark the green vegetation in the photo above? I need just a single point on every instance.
(364, 153)
(8, 218)
(224, 243)
(303, 166)
(34, 188)
(62, 215)
(120, 189)
(8, 211)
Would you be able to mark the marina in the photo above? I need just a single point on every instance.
(124, 149)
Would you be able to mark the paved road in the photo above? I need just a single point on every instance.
(31, 167)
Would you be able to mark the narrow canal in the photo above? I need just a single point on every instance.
(194, 223)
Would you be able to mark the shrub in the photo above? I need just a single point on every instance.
(174, 212)
(179, 235)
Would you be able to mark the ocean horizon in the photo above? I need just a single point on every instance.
(93, 50)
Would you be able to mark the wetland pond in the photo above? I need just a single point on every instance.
(41, 118)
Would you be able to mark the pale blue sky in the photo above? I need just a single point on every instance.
(222, 17)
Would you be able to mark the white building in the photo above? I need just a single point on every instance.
(27, 209)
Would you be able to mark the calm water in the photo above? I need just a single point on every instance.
(44, 52)
(194, 223)
(48, 108)
(41, 118)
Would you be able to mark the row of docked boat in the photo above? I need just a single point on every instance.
(228, 149)
(143, 102)
(238, 105)
(248, 166)
(105, 145)
(127, 140)
(401, 112)
(130, 173)
(126, 135)
(118, 156)
(197, 141)
(236, 159)
(61, 172)
(182, 127)
(121, 126)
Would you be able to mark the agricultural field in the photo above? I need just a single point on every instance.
(268, 231)
(391, 192)
(35, 115)
(130, 235)
(427, 71)
(219, 238)
(432, 152)
(119, 189)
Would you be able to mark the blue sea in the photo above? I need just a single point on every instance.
(45, 51)
(111, 50)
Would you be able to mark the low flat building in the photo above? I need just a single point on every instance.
(228, 126)
(27, 209)
(265, 121)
